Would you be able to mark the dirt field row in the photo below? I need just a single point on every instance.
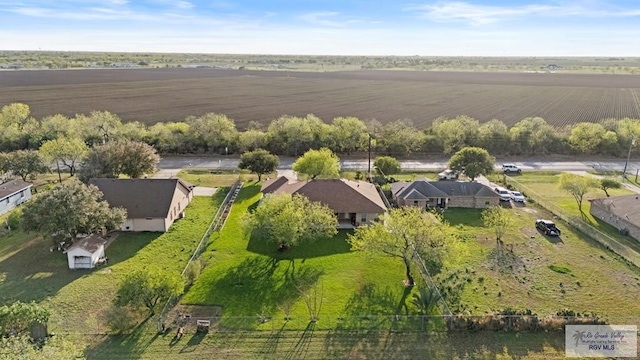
(153, 95)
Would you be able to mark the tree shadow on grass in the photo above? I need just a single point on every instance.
(34, 272)
(129, 346)
(256, 287)
(325, 247)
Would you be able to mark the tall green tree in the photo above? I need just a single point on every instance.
(578, 186)
(259, 162)
(213, 132)
(494, 136)
(16, 318)
(591, 138)
(473, 161)
(607, 183)
(58, 347)
(137, 158)
(500, 220)
(126, 157)
(68, 152)
(456, 133)
(70, 209)
(399, 138)
(147, 288)
(25, 163)
(290, 220)
(404, 233)
(349, 135)
(387, 165)
(321, 163)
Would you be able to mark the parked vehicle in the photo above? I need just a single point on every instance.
(448, 175)
(510, 168)
(548, 227)
(517, 196)
(505, 195)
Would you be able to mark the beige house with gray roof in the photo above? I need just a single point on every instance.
(354, 203)
(621, 212)
(151, 204)
(443, 194)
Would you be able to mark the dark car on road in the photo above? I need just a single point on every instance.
(548, 227)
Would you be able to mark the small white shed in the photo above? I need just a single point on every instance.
(85, 253)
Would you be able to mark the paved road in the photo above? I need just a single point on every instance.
(173, 164)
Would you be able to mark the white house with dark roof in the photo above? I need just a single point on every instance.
(13, 193)
(85, 253)
(354, 203)
(443, 194)
(151, 204)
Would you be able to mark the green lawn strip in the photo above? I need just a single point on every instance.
(78, 298)
(599, 281)
(247, 278)
(217, 178)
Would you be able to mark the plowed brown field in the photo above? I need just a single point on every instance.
(153, 95)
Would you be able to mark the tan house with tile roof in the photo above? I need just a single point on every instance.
(354, 203)
(621, 212)
(151, 204)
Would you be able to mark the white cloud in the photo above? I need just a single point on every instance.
(485, 14)
(331, 19)
(184, 5)
(292, 39)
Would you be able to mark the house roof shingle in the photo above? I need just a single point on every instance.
(90, 243)
(342, 196)
(442, 189)
(625, 207)
(12, 187)
(143, 198)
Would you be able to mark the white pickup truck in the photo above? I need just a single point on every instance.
(448, 175)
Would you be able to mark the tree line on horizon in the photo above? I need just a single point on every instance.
(214, 133)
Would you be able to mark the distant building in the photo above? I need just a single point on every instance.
(13, 193)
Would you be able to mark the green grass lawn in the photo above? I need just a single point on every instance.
(246, 277)
(592, 278)
(547, 183)
(78, 298)
(217, 178)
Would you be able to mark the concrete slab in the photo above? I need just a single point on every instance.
(204, 191)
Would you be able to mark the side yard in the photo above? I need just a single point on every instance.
(29, 271)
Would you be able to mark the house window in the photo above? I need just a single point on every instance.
(22, 194)
(149, 218)
(363, 218)
(415, 202)
(179, 206)
(7, 201)
(487, 203)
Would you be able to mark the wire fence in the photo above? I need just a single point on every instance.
(605, 240)
(216, 225)
(367, 323)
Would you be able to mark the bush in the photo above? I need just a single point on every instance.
(13, 221)
(120, 319)
(193, 271)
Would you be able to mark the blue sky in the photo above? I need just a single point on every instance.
(329, 27)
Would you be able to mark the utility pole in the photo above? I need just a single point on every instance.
(369, 168)
(624, 172)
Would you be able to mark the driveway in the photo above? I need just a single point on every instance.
(172, 173)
